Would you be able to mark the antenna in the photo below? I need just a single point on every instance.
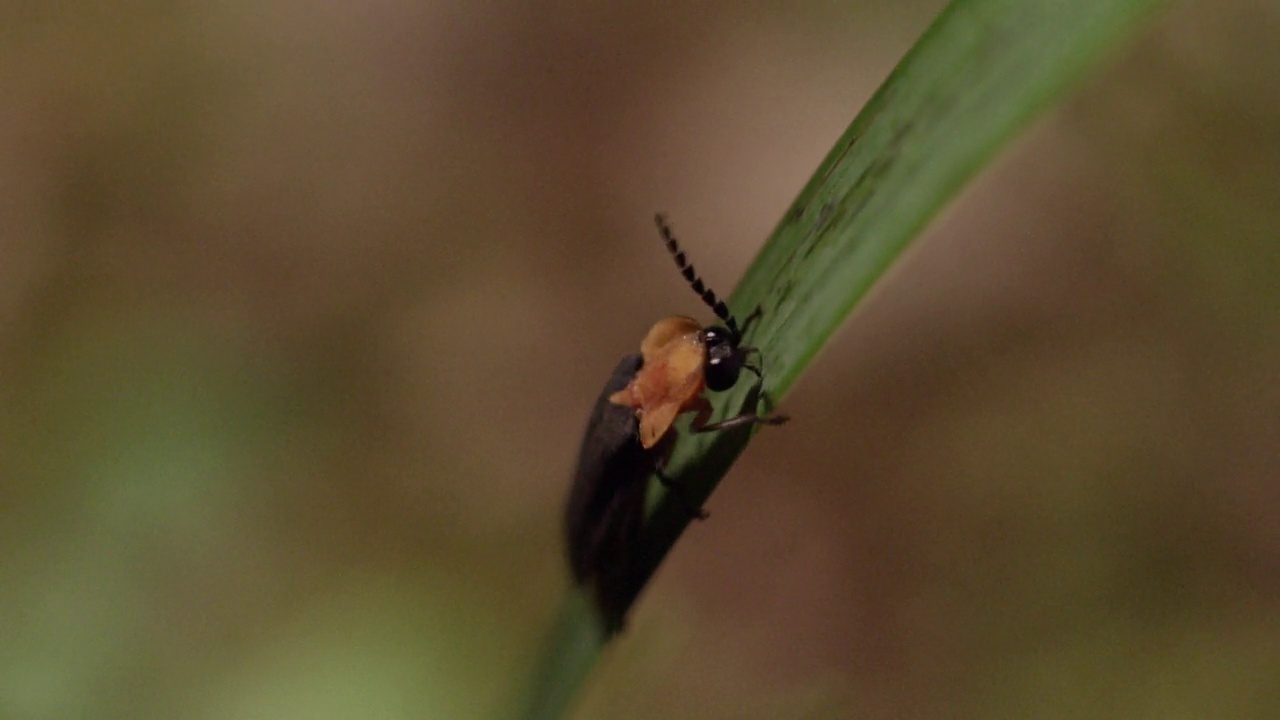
(691, 276)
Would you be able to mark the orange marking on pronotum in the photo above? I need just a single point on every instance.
(670, 379)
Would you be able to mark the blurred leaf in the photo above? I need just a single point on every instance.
(977, 77)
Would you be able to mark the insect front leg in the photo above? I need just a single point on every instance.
(699, 423)
(752, 318)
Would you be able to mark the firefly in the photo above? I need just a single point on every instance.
(631, 434)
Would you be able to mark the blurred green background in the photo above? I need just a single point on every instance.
(303, 307)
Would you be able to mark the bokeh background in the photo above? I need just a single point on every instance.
(303, 307)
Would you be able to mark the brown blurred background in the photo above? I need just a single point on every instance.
(303, 307)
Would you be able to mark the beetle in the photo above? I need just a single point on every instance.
(630, 434)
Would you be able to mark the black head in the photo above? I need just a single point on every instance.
(726, 357)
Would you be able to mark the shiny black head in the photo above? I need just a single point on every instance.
(726, 356)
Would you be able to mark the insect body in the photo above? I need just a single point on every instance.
(630, 436)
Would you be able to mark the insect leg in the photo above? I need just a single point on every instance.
(699, 423)
(676, 487)
(750, 319)
(682, 496)
(743, 419)
(746, 351)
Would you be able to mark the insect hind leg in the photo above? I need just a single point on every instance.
(681, 493)
(676, 487)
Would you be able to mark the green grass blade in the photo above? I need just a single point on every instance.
(981, 73)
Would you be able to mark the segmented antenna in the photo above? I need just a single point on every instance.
(691, 276)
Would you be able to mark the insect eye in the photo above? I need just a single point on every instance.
(724, 362)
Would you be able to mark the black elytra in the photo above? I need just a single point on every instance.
(606, 507)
